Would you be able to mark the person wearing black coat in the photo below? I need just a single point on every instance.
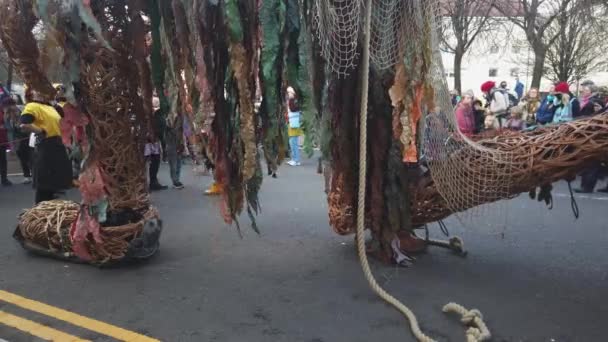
(596, 171)
(588, 99)
(479, 113)
(52, 167)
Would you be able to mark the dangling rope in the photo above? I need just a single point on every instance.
(473, 317)
(362, 182)
(444, 228)
(573, 202)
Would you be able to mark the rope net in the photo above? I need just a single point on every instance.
(396, 28)
(338, 24)
(466, 174)
(404, 36)
(539, 158)
(389, 30)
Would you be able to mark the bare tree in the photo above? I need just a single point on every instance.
(578, 47)
(4, 62)
(535, 18)
(596, 16)
(50, 58)
(465, 21)
(6, 69)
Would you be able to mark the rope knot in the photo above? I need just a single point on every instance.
(477, 331)
(457, 242)
(473, 335)
(469, 316)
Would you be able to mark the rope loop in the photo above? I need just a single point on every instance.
(573, 203)
(444, 228)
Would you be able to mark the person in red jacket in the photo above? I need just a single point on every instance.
(465, 117)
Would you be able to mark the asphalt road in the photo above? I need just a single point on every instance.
(537, 275)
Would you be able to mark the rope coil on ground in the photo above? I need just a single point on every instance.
(477, 331)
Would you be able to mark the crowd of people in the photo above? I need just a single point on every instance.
(49, 137)
(172, 141)
(49, 140)
(502, 109)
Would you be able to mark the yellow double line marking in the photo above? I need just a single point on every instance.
(63, 315)
(35, 329)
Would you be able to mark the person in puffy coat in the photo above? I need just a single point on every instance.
(589, 97)
(465, 117)
(546, 110)
(567, 106)
(497, 100)
(530, 105)
(595, 171)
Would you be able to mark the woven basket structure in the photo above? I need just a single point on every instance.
(99, 64)
(48, 225)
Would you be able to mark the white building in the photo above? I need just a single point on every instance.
(502, 62)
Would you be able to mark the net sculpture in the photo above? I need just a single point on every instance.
(212, 61)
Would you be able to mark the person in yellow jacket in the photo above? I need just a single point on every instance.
(52, 167)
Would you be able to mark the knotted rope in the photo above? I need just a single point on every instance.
(478, 331)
